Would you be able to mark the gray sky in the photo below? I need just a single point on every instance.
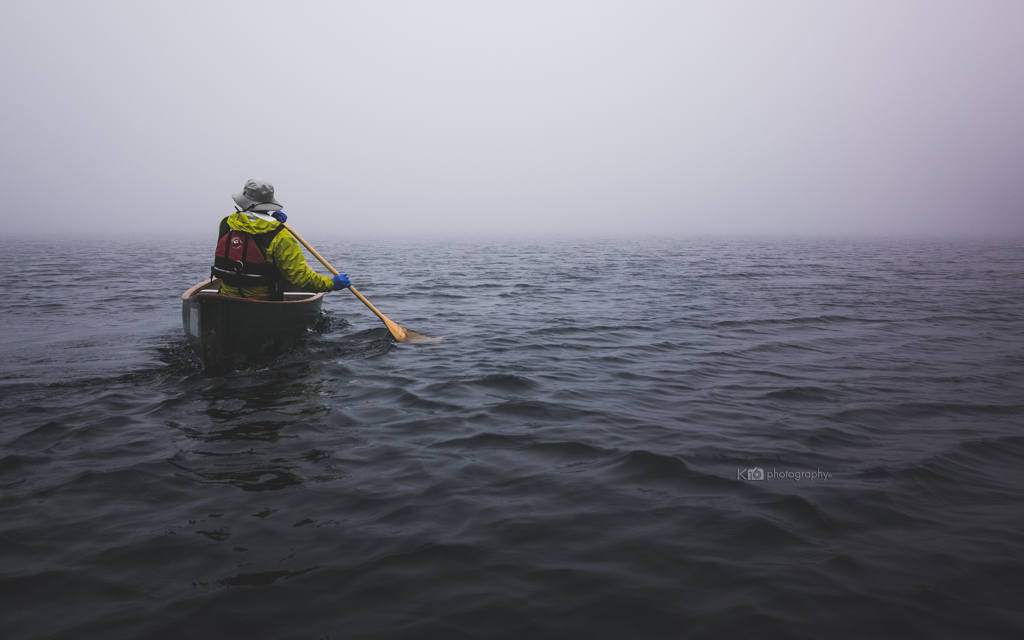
(474, 117)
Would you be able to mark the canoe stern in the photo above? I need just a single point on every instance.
(222, 328)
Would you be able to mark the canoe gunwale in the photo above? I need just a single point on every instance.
(215, 298)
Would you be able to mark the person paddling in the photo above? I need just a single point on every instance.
(256, 254)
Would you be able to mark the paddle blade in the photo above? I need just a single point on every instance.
(412, 337)
(400, 333)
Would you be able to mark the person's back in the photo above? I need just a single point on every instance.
(256, 254)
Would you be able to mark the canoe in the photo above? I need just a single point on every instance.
(220, 328)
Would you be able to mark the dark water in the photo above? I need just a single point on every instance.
(564, 465)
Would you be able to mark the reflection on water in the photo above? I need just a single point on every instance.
(267, 401)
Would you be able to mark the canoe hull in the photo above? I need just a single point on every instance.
(221, 329)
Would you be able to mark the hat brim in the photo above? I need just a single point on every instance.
(245, 204)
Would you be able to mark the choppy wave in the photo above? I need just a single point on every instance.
(573, 461)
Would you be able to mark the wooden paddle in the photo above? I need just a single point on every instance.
(399, 332)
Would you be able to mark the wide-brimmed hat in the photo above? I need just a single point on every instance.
(258, 195)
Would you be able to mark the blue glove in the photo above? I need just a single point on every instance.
(280, 216)
(341, 281)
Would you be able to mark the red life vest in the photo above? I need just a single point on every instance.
(241, 260)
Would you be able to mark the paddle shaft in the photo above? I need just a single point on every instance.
(324, 262)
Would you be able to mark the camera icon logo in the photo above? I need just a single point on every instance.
(757, 473)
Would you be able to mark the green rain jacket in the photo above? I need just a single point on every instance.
(284, 252)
